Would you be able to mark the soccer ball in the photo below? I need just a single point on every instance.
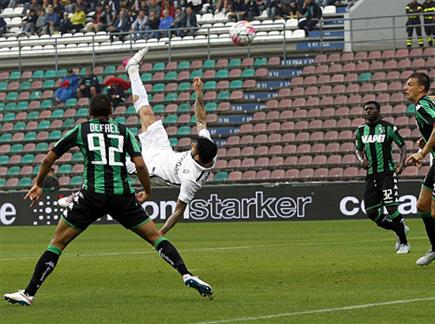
(242, 33)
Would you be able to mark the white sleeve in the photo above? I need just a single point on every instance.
(187, 190)
(131, 167)
(205, 133)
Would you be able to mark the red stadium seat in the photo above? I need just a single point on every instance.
(233, 140)
(306, 173)
(261, 162)
(235, 176)
(320, 58)
(319, 160)
(302, 137)
(247, 151)
(277, 174)
(248, 175)
(247, 139)
(320, 173)
(323, 79)
(318, 148)
(220, 164)
(289, 149)
(272, 104)
(275, 150)
(350, 172)
(223, 85)
(260, 139)
(292, 174)
(262, 175)
(233, 152)
(247, 163)
(373, 55)
(261, 150)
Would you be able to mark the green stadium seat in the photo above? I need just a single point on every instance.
(19, 126)
(193, 96)
(25, 182)
(236, 84)
(15, 170)
(260, 61)
(14, 75)
(50, 74)
(41, 147)
(173, 141)
(131, 110)
(46, 104)
(110, 69)
(9, 116)
(35, 95)
(185, 107)
(210, 85)
(3, 86)
(134, 130)
(120, 119)
(23, 105)
(65, 168)
(44, 124)
(48, 84)
(158, 87)
(30, 136)
(2, 182)
(196, 73)
(221, 176)
(158, 67)
(170, 119)
(82, 112)
(11, 106)
(17, 148)
(12, 96)
(28, 158)
(61, 73)
(184, 130)
(235, 62)
(193, 120)
(146, 77)
(171, 97)
(223, 95)
(38, 74)
(2, 106)
(77, 156)
(222, 74)
(36, 170)
(82, 71)
(170, 76)
(210, 106)
(183, 65)
(71, 102)
(184, 86)
(55, 135)
(76, 181)
(33, 115)
(4, 159)
(364, 77)
(209, 64)
(158, 109)
(58, 113)
(248, 73)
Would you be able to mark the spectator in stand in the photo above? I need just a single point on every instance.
(271, 6)
(154, 6)
(252, 9)
(29, 23)
(116, 94)
(138, 27)
(52, 21)
(120, 26)
(178, 21)
(68, 87)
(312, 14)
(189, 23)
(196, 5)
(50, 182)
(107, 18)
(221, 5)
(165, 23)
(34, 4)
(152, 26)
(293, 10)
(96, 24)
(58, 7)
(262, 5)
(238, 11)
(168, 5)
(40, 22)
(3, 26)
(76, 22)
(89, 86)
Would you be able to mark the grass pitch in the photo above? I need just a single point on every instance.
(265, 272)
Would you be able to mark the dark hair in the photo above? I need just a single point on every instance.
(100, 106)
(207, 149)
(422, 78)
(373, 103)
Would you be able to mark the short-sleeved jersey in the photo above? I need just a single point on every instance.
(104, 145)
(376, 141)
(425, 117)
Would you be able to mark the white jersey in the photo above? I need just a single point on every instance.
(178, 168)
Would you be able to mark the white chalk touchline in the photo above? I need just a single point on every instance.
(318, 311)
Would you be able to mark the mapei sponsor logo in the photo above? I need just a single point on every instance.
(373, 138)
(351, 206)
(257, 206)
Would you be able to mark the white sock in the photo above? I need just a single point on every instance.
(138, 88)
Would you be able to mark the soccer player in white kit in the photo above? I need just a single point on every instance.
(188, 169)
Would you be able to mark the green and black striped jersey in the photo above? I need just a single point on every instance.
(376, 140)
(104, 145)
(425, 117)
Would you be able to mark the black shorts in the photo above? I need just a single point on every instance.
(380, 190)
(429, 181)
(90, 206)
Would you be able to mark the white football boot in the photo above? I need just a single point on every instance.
(202, 287)
(398, 240)
(135, 60)
(19, 297)
(66, 201)
(403, 249)
(426, 259)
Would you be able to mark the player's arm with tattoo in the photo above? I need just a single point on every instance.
(201, 115)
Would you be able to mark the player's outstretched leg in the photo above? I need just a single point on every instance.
(169, 253)
(45, 265)
(425, 204)
(140, 96)
(399, 227)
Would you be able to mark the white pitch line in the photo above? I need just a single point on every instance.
(319, 311)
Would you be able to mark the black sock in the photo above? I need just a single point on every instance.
(384, 222)
(46, 264)
(399, 229)
(429, 224)
(169, 253)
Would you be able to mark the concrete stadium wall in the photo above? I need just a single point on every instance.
(375, 32)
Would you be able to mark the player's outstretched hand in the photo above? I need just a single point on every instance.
(34, 194)
(142, 197)
(415, 159)
(197, 84)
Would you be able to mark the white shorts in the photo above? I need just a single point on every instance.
(154, 141)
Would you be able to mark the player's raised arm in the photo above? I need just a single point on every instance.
(201, 115)
(175, 217)
(416, 158)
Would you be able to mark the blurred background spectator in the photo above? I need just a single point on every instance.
(139, 25)
(41, 22)
(252, 9)
(29, 23)
(121, 25)
(116, 88)
(68, 87)
(107, 18)
(152, 26)
(189, 22)
(312, 13)
(3, 27)
(51, 21)
(165, 23)
(178, 21)
(76, 22)
(89, 85)
(237, 11)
